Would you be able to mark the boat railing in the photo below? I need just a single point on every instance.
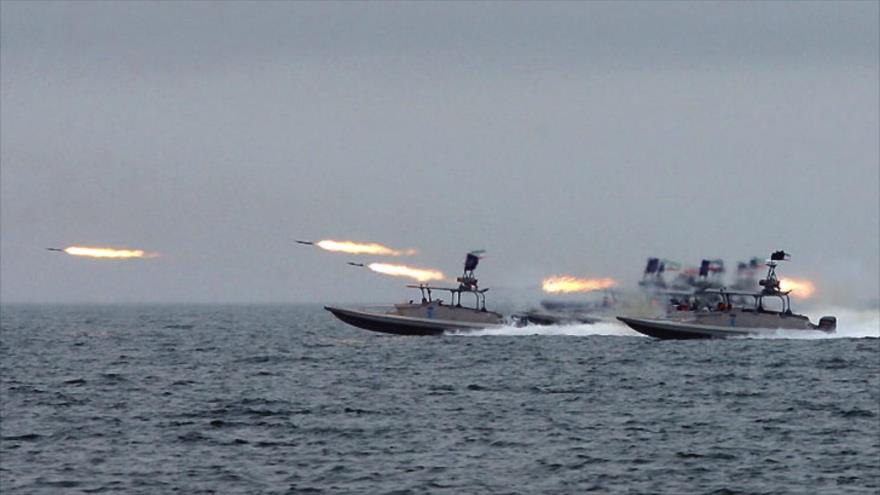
(377, 308)
(455, 294)
(758, 298)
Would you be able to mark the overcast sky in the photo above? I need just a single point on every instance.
(568, 138)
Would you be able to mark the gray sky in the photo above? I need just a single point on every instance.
(573, 138)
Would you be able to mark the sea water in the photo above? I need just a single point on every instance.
(286, 399)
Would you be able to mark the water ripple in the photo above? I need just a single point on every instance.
(284, 399)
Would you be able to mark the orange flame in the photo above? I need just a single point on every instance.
(566, 284)
(109, 253)
(352, 247)
(801, 288)
(420, 274)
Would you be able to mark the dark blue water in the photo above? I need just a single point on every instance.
(284, 399)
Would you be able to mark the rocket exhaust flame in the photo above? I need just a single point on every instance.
(352, 247)
(106, 253)
(567, 284)
(420, 274)
(800, 288)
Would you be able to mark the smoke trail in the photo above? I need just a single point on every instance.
(420, 274)
(106, 252)
(352, 247)
(565, 284)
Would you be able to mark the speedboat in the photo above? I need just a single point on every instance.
(727, 319)
(556, 312)
(431, 316)
(690, 283)
(552, 318)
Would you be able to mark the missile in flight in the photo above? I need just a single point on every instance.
(104, 252)
(352, 247)
(352, 263)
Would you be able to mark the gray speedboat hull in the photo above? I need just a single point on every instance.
(672, 329)
(402, 325)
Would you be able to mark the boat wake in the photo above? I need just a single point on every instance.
(577, 330)
(851, 324)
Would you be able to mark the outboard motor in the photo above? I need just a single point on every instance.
(827, 324)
